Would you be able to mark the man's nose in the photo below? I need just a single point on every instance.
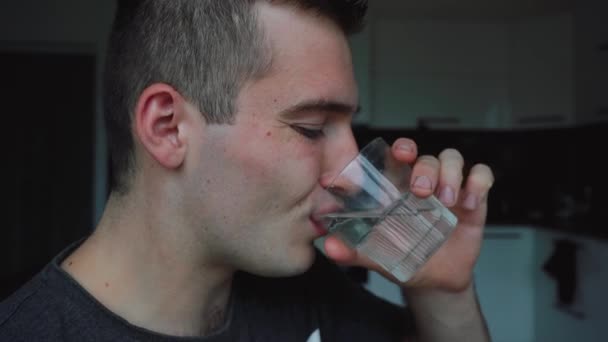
(336, 157)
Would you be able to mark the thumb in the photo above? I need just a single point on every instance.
(339, 252)
(342, 255)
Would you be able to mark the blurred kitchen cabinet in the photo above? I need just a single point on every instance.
(591, 37)
(520, 299)
(360, 45)
(579, 268)
(505, 283)
(415, 101)
(541, 76)
(600, 92)
(468, 74)
(438, 73)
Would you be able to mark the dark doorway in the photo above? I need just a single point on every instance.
(48, 102)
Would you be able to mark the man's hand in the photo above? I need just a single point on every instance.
(450, 269)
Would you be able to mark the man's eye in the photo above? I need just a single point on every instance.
(309, 133)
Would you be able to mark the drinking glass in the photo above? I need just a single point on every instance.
(381, 218)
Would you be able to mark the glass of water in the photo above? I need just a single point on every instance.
(381, 218)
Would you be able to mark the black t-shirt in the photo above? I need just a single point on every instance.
(319, 305)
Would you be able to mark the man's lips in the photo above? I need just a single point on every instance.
(319, 226)
(318, 220)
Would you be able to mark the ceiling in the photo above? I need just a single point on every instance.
(489, 9)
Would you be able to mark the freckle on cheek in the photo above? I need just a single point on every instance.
(268, 134)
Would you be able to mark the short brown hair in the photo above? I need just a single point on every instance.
(205, 49)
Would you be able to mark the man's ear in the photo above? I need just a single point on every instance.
(159, 114)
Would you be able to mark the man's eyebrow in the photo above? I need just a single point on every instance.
(321, 106)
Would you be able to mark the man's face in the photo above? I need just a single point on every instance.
(255, 184)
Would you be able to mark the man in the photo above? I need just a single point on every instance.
(226, 120)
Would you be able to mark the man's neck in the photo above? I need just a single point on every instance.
(146, 276)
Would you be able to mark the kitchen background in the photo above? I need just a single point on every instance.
(520, 85)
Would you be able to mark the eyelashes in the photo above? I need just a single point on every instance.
(309, 133)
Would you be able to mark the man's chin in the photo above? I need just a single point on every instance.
(304, 264)
(294, 263)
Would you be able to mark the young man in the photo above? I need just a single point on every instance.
(226, 120)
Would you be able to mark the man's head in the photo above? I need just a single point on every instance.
(234, 149)
(205, 49)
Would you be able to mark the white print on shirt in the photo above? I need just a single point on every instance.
(315, 337)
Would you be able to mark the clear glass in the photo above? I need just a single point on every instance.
(381, 218)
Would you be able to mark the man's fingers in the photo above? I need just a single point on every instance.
(478, 184)
(450, 176)
(425, 174)
(339, 252)
(405, 150)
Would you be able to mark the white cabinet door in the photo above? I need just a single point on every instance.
(601, 88)
(541, 78)
(430, 47)
(360, 45)
(591, 36)
(404, 100)
(450, 74)
(505, 283)
(585, 319)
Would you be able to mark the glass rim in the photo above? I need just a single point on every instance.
(365, 151)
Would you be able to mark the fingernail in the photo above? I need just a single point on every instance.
(470, 202)
(405, 148)
(423, 182)
(447, 195)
